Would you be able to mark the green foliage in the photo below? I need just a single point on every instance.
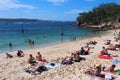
(104, 13)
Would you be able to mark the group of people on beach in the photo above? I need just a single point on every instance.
(18, 54)
(99, 69)
(36, 67)
(33, 60)
(96, 70)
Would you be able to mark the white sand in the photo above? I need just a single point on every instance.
(13, 69)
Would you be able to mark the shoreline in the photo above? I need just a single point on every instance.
(13, 68)
(55, 43)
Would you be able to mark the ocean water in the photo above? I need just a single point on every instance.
(44, 33)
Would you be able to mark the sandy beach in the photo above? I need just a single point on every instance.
(13, 69)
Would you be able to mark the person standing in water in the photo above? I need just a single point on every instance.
(10, 44)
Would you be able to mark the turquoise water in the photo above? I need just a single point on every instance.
(43, 34)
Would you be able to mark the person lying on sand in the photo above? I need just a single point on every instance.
(67, 60)
(111, 47)
(107, 42)
(91, 42)
(60, 59)
(76, 57)
(8, 56)
(38, 68)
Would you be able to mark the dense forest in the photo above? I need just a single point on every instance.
(105, 15)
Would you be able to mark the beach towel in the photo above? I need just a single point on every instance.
(105, 57)
(116, 61)
(52, 65)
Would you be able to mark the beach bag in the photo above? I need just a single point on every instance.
(118, 72)
(43, 68)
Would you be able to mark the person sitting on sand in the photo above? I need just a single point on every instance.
(82, 51)
(31, 59)
(104, 51)
(8, 56)
(96, 71)
(39, 56)
(111, 69)
(76, 57)
(20, 53)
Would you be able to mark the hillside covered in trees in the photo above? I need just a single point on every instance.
(104, 16)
